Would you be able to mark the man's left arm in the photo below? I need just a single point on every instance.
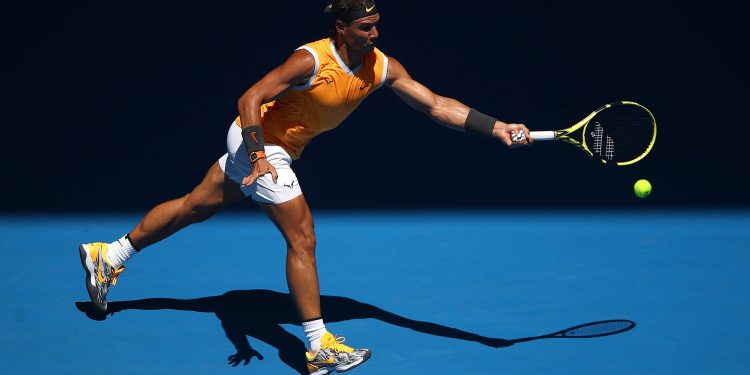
(447, 111)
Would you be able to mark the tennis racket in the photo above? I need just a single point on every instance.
(585, 331)
(619, 133)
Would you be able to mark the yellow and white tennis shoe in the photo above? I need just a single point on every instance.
(100, 274)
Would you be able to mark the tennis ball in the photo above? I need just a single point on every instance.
(642, 188)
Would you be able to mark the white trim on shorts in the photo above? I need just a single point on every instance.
(236, 165)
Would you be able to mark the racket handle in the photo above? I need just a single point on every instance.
(547, 135)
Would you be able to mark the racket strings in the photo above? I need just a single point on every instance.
(620, 133)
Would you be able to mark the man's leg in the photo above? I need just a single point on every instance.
(327, 353)
(295, 221)
(215, 192)
(103, 262)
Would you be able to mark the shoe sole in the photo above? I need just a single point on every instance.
(325, 370)
(364, 359)
(93, 293)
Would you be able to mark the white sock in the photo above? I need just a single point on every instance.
(314, 330)
(120, 251)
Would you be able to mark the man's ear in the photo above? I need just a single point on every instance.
(340, 26)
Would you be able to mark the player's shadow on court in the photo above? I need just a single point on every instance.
(260, 314)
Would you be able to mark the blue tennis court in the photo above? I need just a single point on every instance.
(430, 292)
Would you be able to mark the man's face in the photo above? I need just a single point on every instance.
(362, 34)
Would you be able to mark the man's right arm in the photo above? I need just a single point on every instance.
(297, 69)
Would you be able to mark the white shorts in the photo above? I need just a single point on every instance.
(236, 165)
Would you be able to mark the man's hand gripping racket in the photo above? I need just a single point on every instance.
(619, 133)
(514, 135)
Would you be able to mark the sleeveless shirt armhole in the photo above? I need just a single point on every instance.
(315, 72)
(384, 74)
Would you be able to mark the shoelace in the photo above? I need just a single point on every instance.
(338, 345)
(116, 273)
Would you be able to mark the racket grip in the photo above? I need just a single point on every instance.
(547, 135)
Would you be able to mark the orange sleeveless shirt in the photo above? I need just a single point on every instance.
(331, 94)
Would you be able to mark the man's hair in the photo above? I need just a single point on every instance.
(336, 8)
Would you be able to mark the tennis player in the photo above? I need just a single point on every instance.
(313, 91)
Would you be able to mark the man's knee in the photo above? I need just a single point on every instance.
(303, 242)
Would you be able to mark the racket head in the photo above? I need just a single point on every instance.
(619, 133)
(598, 329)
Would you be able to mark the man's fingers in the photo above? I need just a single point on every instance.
(526, 131)
(260, 168)
(272, 171)
(520, 136)
(247, 181)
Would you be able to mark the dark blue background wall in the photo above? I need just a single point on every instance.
(123, 105)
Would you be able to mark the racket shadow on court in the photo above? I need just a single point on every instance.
(260, 313)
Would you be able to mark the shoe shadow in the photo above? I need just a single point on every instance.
(260, 314)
